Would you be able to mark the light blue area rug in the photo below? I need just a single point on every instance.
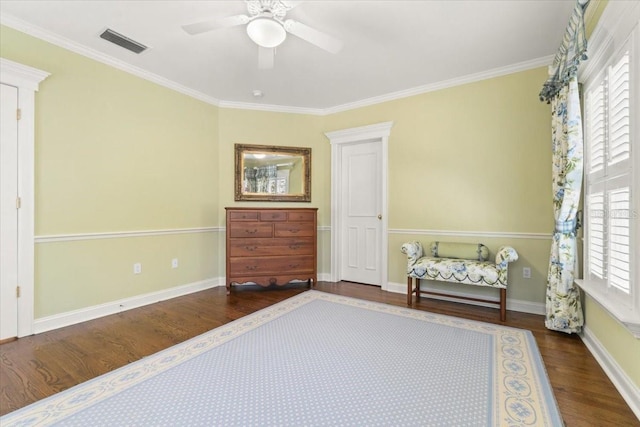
(321, 359)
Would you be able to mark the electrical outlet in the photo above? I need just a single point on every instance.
(174, 263)
(137, 268)
(526, 273)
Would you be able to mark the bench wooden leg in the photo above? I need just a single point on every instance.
(409, 289)
(503, 305)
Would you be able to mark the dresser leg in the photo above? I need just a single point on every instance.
(228, 288)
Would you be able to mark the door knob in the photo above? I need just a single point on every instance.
(379, 216)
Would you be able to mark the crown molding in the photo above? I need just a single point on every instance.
(40, 33)
(432, 87)
(57, 40)
(271, 108)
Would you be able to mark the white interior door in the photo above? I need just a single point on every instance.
(8, 212)
(361, 207)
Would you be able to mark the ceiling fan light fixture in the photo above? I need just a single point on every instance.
(266, 32)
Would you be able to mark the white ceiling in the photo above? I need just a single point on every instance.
(390, 47)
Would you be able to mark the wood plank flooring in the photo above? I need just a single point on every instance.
(32, 368)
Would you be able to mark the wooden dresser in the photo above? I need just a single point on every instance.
(271, 246)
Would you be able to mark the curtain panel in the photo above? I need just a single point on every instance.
(563, 306)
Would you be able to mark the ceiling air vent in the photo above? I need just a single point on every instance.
(123, 41)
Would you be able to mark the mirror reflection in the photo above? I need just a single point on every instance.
(272, 173)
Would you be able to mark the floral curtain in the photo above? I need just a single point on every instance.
(564, 311)
(563, 307)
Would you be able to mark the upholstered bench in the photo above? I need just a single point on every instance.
(459, 263)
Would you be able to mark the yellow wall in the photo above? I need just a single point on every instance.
(593, 13)
(281, 129)
(615, 338)
(125, 154)
(116, 153)
(471, 158)
(86, 273)
(293, 130)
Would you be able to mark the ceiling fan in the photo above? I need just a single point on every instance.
(267, 27)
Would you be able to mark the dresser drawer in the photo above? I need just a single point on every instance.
(271, 247)
(250, 229)
(273, 216)
(301, 216)
(290, 229)
(243, 216)
(270, 265)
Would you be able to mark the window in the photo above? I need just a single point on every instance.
(611, 89)
(608, 175)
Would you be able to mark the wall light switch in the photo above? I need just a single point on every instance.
(137, 268)
(526, 273)
(174, 263)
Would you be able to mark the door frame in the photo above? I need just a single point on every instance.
(378, 133)
(27, 80)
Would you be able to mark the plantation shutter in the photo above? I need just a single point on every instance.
(619, 111)
(596, 239)
(596, 131)
(619, 208)
(596, 114)
(608, 173)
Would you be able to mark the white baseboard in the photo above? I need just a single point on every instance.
(629, 391)
(61, 320)
(324, 277)
(512, 304)
(69, 318)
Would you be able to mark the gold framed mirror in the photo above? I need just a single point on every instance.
(273, 174)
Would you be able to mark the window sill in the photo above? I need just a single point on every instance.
(629, 318)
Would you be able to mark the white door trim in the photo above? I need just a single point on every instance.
(373, 133)
(27, 80)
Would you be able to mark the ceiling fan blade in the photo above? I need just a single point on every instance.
(313, 36)
(266, 57)
(291, 3)
(215, 24)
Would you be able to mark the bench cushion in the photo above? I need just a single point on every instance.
(480, 273)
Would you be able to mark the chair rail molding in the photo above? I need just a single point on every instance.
(459, 233)
(124, 234)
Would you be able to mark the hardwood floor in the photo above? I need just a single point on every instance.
(32, 368)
